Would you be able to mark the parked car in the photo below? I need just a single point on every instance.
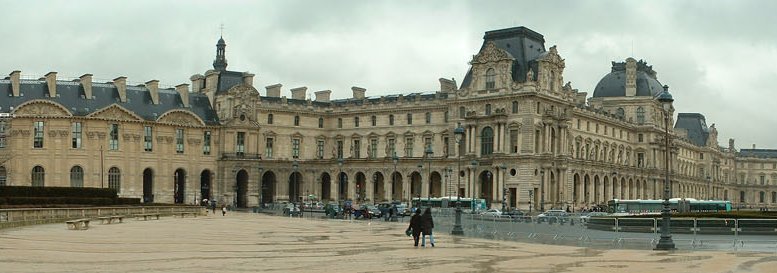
(587, 216)
(403, 210)
(291, 209)
(553, 216)
(492, 213)
(384, 208)
(514, 213)
(333, 210)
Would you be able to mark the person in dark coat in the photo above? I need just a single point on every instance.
(428, 225)
(416, 226)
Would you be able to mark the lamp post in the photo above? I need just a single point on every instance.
(418, 192)
(542, 190)
(340, 178)
(665, 242)
(261, 188)
(504, 187)
(483, 194)
(531, 197)
(457, 230)
(395, 159)
(709, 188)
(295, 187)
(429, 153)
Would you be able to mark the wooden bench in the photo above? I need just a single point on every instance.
(78, 224)
(184, 213)
(147, 216)
(110, 219)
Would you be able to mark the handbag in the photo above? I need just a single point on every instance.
(409, 231)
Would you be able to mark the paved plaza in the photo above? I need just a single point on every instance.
(246, 242)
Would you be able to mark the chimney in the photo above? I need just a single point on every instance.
(358, 92)
(274, 90)
(447, 85)
(753, 146)
(631, 77)
(248, 78)
(298, 93)
(183, 90)
(51, 83)
(197, 82)
(121, 85)
(15, 81)
(153, 90)
(86, 82)
(211, 79)
(323, 96)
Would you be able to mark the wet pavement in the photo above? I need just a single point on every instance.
(245, 242)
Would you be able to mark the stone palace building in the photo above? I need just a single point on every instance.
(529, 138)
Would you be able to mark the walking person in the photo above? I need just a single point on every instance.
(428, 225)
(416, 226)
(223, 210)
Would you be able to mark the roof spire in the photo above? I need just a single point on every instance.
(220, 63)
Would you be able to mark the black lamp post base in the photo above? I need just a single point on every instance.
(457, 230)
(665, 243)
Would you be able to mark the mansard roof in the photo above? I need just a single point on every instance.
(524, 44)
(71, 94)
(762, 153)
(696, 126)
(614, 83)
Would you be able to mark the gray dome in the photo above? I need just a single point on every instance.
(614, 83)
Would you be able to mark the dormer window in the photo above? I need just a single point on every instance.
(490, 75)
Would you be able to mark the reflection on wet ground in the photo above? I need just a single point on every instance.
(242, 242)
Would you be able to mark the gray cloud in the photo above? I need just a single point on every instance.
(718, 57)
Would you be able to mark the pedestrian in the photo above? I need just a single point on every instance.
(416, 226)
(428, 225)
(213, 206)
(223, 210)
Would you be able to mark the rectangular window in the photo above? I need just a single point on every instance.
(701, 156)
(355, 121)
(391, 119)
(179, 141)
(240, 143)
(320, 122)
(113, 139)
(320, 149)
(339, 122)
(641, 160)
(427, 144)
(374, 120)
(392, 143)
(148, 145)
(357, 148)
(37, 141)
(446, 117)
(409, 147)
(588, 126)
(339, 149)
(578, 124)
(640, 137)
(428, 118)
(373, 148)
(296, 120)
(269, 118)
(597, 128)
(268, 148)
(446, 141)
(763, 180)
(76, 132)
(2, 133)
(514, 141)
(295, 148)
(409, 118)
(206, 143)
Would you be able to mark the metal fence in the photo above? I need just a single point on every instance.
(627, 233)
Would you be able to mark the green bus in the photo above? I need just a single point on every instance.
(450, 202)
(638, 207)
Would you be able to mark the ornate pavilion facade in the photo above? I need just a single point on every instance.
(530, 138)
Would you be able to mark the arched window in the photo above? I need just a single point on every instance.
(487, 141)
(3, 176)
(38, 176)
(488, 109)
(620, 113)
(515, 107)
(77, 177)
(490, 75)
(114, 179)
(640, 115)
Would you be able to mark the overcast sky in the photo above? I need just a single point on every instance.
(718, 57)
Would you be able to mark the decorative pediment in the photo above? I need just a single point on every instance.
(115, 112)
(491, 54)
(409, 134)
(269, 134)
(515, 125)
(444, 132)
(244, 94)
(552, 57)
(373, 135)
(181, 117)
(428, 133)
(42, 108)
(356, 135)
(390, 134)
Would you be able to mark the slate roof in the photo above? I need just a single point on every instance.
(696, 125)
(762, 153)
(524, 44)
(70, 94)
(614, 83)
